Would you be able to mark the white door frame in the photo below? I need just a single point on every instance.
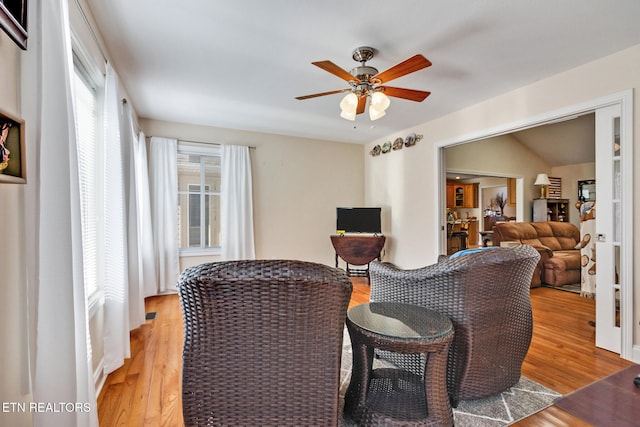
(625, 99)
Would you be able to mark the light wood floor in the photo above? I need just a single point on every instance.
(146, 390)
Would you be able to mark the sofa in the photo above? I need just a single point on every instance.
(558, 244)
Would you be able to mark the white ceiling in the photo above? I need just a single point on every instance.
(240, 63)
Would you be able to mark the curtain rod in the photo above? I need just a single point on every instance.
(251, 147)
(93, 34)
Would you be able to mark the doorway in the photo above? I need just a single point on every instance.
(625, 218)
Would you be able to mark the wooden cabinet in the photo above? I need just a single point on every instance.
(511, 191)
(473, 233)
(462, 195)
(551, 210)
(470, 195)
(450, 196)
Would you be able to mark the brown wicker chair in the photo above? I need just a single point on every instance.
(262, 343)
(486, 295)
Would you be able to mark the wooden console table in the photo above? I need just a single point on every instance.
(358, 250)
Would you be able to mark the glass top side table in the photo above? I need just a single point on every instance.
(396, 396)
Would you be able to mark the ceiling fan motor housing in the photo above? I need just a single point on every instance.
(364, 72)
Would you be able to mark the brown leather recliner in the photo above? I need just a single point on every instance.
(557, 243)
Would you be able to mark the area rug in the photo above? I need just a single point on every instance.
(611, 401)
(523, 399)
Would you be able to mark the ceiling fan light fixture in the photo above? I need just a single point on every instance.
(379, 101)
(367, 82)
(375, 113)
(348, 115)
(349, 104)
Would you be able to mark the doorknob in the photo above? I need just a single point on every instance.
(601, 238)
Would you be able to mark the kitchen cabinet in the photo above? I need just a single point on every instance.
(462, 195)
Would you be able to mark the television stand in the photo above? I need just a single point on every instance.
(359, 251)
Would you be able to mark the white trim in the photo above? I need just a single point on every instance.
(625, 99)
(189, 252)
(99, 377)
(626, 276)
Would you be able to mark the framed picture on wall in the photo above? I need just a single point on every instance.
(12, 155)
(13, 20)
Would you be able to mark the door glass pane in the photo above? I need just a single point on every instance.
(616, 180)
(616, 136)
(616, 265)
(617, 221)
(617, 307)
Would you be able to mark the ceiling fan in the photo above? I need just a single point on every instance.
(367, 82)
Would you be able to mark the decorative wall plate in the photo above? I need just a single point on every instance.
(397, 144)
(410, 140)
(375, 151)
(386, 147)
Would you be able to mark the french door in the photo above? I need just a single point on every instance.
(609, 227)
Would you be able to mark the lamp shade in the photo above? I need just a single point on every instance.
(379, 101)
(374, 113)
(348, 115)
(349, 103)
(542, 179)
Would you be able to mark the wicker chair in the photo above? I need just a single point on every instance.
(262, 343)
(486, 295)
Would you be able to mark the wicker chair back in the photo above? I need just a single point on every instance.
(486, 296)
(262, 343)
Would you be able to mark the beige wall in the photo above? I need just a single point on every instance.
(14, 358)
(505, 156)
(406, 181)
(501, 155)
(297, 184)
(570, 175)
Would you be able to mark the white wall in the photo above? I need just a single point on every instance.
(297, 185)
(409, 188)
(14, 359)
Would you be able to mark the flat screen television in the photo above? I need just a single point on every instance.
(358, 220)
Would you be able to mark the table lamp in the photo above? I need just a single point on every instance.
(542, 180)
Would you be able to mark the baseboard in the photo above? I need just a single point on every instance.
(635, 354)
(99, 377)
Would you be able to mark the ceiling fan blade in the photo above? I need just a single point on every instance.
(362, 102)
(412, 64)
(336, 71)
(315, 95)
(410, 94)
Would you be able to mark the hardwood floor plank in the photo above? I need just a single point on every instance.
(145, 391)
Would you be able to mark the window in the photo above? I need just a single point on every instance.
(198, 198)
(87, 119)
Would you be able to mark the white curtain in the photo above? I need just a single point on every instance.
(62, 370)
(164, 211)
(116, 280)
(134, 209)
(236, 205)
(148, 277)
